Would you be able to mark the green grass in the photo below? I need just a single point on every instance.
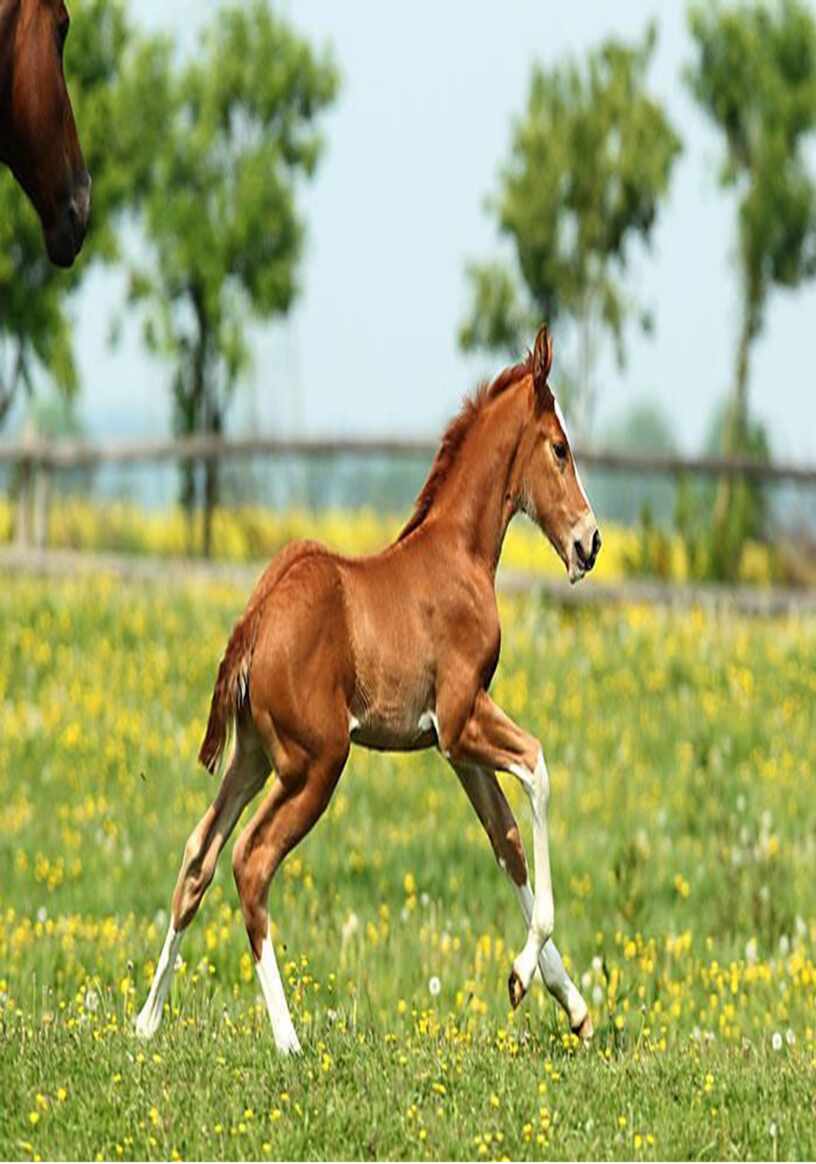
(683, 837)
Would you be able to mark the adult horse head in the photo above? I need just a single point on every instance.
(38, 135)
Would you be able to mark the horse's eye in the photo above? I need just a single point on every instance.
(560, 450)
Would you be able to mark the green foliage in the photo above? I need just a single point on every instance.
(220, 209)
(714, 546)
(590, 162)
(755, 76)
(651, 556)
(115, 81)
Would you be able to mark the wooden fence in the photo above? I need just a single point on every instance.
(36, 461)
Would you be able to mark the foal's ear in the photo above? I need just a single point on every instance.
(542, 360)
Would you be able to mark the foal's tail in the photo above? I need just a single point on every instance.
(231, 690)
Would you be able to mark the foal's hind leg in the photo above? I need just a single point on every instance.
(244, 778)
(294, 804)
(502, 830)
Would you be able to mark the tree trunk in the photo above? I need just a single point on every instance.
(736, 420)
(214, 425)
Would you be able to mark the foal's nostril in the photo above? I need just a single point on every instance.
(579, 552)
(596, 543)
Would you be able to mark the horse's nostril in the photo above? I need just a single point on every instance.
(596, 543)
(579, 552)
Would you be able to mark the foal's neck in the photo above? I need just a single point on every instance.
(480, 497)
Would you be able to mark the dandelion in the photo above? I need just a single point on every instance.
(790, 1037)
(91, 1000)
(776, 1041)
(434, 985)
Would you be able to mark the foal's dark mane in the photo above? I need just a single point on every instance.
(454, 437)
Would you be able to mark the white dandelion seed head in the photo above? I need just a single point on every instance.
(42, 914)
(597, 995)
(350, 927)
(91, 1000)
(434, 985)
(784, 945)
(773, 1130)
(776, 1041)
(790, 1037)
(597, 964)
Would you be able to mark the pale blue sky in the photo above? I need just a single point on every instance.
(414, 145)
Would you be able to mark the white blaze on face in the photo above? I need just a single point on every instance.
(563, 424)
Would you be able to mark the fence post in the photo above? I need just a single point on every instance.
(41, 492)
(22, 531)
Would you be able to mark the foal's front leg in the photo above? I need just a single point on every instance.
(496, 816)
(490, 739)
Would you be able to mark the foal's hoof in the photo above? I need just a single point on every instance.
(146, 1025)
(516, 988)
(585, 1029)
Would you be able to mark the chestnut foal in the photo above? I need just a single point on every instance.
(394, 652)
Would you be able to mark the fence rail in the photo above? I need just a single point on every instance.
(36, 460)
(80, 454)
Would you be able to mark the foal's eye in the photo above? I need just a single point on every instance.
(560, 450)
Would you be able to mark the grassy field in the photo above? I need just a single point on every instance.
(682, 755)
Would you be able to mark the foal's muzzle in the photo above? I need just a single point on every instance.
(586, 546)
(586, 557)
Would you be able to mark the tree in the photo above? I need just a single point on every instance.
(221, 214)
(116, 82)
(755, 76)
(590, 162)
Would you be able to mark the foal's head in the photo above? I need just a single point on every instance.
(548, 485)
(38, 137)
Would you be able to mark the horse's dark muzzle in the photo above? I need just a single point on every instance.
(64, 240)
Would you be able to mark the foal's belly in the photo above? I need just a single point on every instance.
(394, 732)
